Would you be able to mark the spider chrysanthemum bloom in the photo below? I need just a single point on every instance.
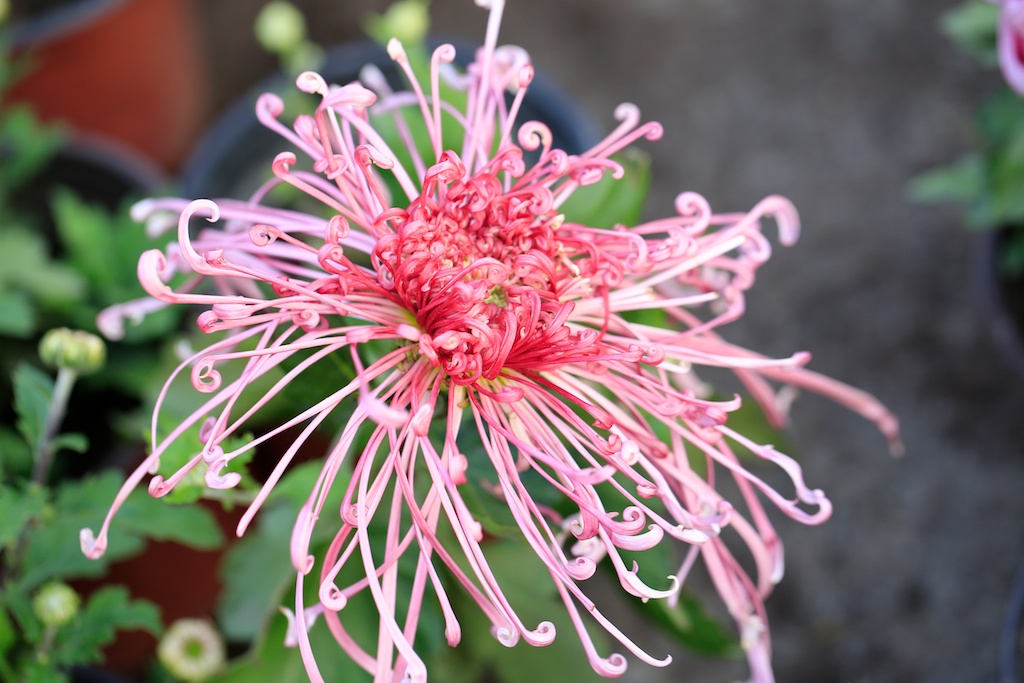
(469, 305)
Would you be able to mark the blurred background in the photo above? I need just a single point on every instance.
(835, 104)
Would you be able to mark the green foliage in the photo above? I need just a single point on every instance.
(48, 550)
(16, 314)
(269, 661)
(407, 20)
(610, 201)
(108, 610)
(38, 545)
(988, 181)
(257, 569)
(962, 181)
(687, 621)
(31, 282)
(257, 573)
(33, 390)
(59, 266)
(15, 455)
(26, 146)
(528, 586)
(104, 248)
(972, 26)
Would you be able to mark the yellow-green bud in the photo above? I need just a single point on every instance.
(280, 27)
(406, 20)
(192, 650)
(5, 8)
(76, 350)
(56, 604)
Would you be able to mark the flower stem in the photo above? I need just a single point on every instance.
(45, 451)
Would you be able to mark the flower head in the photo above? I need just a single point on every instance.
(192, 650)
(484, 328)
(56, 604)
(82, 352)
(1010, 43)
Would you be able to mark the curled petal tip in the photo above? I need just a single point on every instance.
(198, 207)
(396, 51)
(215, 479)
(505, 635)
(141, 210)
(311, 82)
(92, 547)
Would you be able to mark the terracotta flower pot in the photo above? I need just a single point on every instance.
(129, 69)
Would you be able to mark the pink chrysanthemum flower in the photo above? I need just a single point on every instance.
(1010, 42)
(470, 303)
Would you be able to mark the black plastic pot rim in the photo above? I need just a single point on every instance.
(1001, 324)
(232, 127)
(136, 169)
(1009, 642)
(59, 22)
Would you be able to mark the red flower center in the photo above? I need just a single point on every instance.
(481, 270)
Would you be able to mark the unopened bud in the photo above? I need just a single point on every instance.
(75, 350)
(406, 20)
(56, 604)
(192, 650)
(280, 27)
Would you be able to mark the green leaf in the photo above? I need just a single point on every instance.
(257, 570)
(41, 672)
(962, 181)
(31, 145)
(269, 661)
(33, 390)
(610, 202)
(528, 586)
(104, 246)
(17, 316)
(17, 510)
(52, 550)
(190, 525)
(8, 636)
(1001, 124)
(256, 573)
(110, 609)
(687, 622)
(692, 626)
(19, 604)
(192, 486)
(1011, 254)
(15, 455)
(26, 266)
(973, 26)
(74, 442)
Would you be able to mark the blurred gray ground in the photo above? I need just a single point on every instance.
(835, 104)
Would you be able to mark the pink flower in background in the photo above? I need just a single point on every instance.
(467, 302)
(1010, 43)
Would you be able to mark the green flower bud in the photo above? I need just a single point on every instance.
(56, 604)
(76, 350)
(406, 20)
(280, 27)
(192, 650)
